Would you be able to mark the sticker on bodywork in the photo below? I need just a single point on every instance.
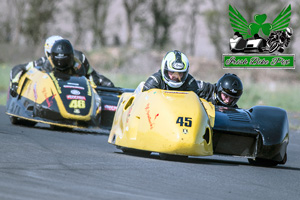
(70, 97)
(184, 121)
(151, 122)
(73, 87)
(110, 107)
(176, 92)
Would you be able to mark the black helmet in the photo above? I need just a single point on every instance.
(229, 86)
(62, 55)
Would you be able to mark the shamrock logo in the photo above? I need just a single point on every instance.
(239, 24)
(255, 27)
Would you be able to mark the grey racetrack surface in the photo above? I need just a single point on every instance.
(38, 163)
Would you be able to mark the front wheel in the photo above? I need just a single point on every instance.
(135, 151)
(17, 121)
(59, 128)
(165, 156)
(14, 120)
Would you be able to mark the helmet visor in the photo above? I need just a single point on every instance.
(61, 61)
(227, 99)
(175, 76)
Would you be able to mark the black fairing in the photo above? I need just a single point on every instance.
(261, 131)
(71, 87)
(109, 101)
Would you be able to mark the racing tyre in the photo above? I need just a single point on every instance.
(28, 123)
(18, 121)
(58, 128)
(263, 162)
(284, 159)
(135, 151)
(164, 156)
(14, 120)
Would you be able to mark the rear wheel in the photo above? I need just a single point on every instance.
(284, 159)
(263, 162)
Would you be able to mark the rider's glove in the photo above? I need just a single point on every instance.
(13, 89)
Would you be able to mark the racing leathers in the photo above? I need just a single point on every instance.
(156, 81)
(82, 68)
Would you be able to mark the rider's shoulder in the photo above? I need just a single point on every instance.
(41, 61)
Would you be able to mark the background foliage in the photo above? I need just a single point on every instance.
(126, 39)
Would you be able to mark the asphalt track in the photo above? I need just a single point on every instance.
(38, 163)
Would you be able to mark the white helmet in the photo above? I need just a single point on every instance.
(175, 63)
(49, 43)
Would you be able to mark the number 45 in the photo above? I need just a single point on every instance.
(186, 122)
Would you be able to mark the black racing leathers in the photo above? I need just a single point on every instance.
(84, 69)
(207, 91)
(91, 74)
(156, 81)
(203, 89)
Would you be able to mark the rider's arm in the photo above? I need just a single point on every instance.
(100, 80)
(153, 82)
(206, 90)
(91, 74)
(18, 70)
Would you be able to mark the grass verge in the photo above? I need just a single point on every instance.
(276, 94)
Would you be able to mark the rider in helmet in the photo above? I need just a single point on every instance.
(229, 89)
(226, 92)
(173, 75)
(18, 70)
(62, 58)
(49, 43)
(90, 73)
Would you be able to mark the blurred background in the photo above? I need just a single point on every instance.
(126, 40)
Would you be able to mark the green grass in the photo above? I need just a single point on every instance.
(4, 83)
(125, 80)
(4, 77)
(285, 96)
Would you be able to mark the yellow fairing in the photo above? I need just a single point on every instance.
(171, 122)
(38, 86)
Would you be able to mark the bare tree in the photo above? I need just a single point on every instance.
(99, 10)
(77, 10)
(162, 22)
(192, 18)
(215, 27)
(17, 8)
(164, 14)
(131, 7)
(40, 12)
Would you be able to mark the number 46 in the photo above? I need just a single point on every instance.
(186, 122)
(77, 104)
